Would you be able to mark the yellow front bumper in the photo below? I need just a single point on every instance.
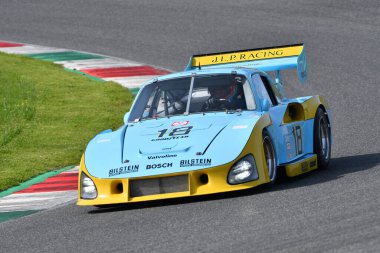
(110, 191)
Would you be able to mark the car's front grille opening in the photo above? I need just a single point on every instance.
(145, 187)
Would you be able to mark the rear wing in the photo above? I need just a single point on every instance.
(265, 59)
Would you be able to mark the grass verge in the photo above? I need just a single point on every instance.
(47, 116)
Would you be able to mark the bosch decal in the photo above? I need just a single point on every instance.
(159, 165)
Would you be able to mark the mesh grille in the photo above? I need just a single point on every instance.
(162, 185)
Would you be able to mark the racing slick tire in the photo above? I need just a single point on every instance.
(322, 139)
(275, 173)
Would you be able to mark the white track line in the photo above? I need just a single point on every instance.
(31, 49)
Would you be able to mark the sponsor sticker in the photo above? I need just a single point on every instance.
(195, 162)
(152, 157)
(159, 166)
(175, 133)
(179, 123)
(170, 138)
(123, 170)
(304, 166)
(247, 55)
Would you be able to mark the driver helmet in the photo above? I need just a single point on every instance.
(227, 93)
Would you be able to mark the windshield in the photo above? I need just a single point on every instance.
(211, 93)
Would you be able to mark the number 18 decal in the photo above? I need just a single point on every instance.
(175, 131)
(297, 134)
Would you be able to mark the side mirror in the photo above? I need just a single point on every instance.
(265, 105)
(126, 116)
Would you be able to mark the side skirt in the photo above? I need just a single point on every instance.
(300, 166)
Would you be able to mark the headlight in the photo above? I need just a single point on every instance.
(87, 187)
(243, 171)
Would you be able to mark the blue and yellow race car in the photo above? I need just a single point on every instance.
(221, 125)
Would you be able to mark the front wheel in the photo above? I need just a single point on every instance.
(270, 158)
(322, 139)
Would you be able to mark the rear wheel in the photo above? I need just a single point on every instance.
(322, 139)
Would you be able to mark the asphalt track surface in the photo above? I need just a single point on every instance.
(336, 210)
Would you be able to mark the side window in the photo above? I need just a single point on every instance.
(269, 89)
(260, 88)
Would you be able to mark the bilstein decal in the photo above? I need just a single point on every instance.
(160, 156)
(195, 162)
(123, 170)
(159, 166)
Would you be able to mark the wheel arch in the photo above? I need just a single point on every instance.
(322, 106)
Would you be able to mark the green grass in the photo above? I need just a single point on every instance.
(48, 115)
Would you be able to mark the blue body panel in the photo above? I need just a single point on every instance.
(211, 135)
(283, 133)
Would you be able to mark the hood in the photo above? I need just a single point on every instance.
(169, 145)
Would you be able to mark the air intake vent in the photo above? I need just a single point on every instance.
(162, 185)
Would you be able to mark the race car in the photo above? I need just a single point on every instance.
(223, 124)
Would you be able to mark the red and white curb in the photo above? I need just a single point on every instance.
(47, 194)
(62, 188)
(129, 74)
